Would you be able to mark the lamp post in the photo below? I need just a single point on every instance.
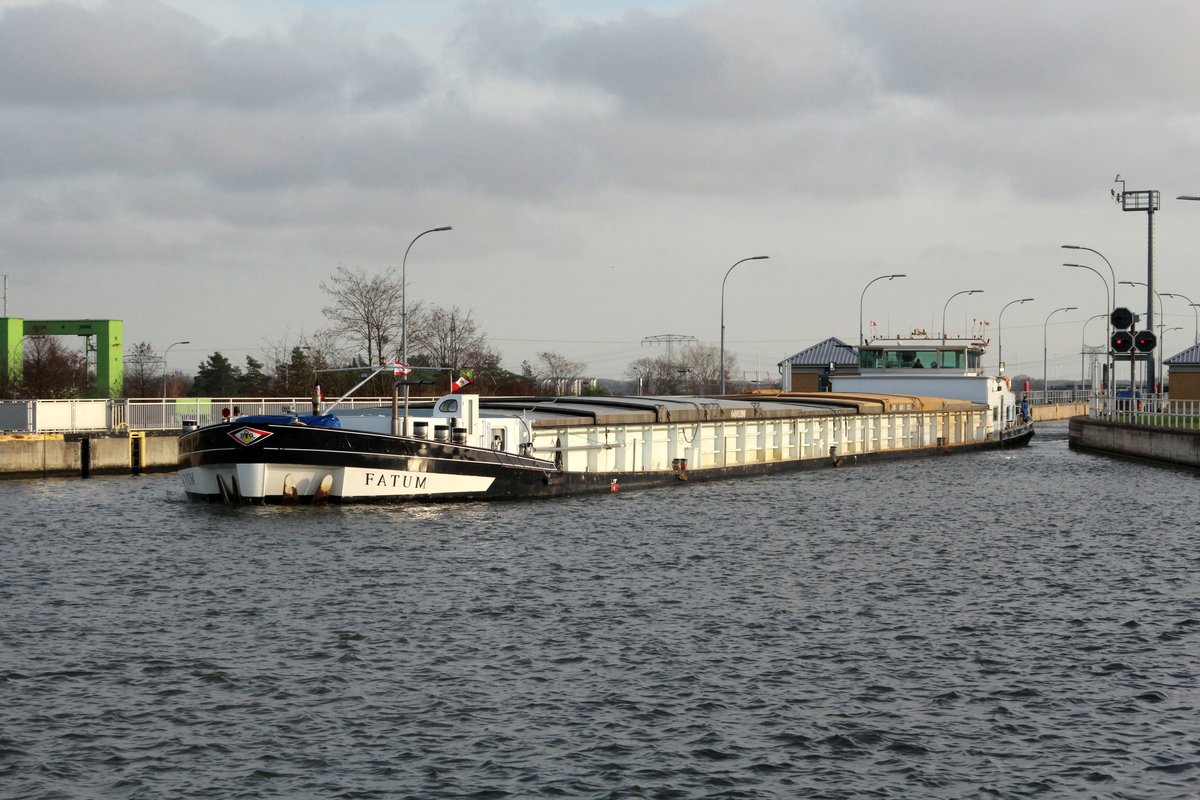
(168, 350)
(1082, 345)
(1163, 330)
(722, 365)
(1000, 333)
(956, 294)
(404, 315)
(1112, 271)
(1045, 375)
(861, 340)
(1107, 296)
(1113, 274)
(1196, 313)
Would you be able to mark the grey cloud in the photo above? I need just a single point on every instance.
(453, 149)
(502, 36)
(138, 52)
(647, 61)
(766, 59)
(1032, 56)
(230, 147)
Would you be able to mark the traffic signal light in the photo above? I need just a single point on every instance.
(1121, 318)
(1144, 341)
(1122, 342)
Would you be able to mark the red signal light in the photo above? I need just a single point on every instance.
(1122, 342)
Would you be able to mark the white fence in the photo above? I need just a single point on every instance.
(30, 416)
(79, 416)
(1154, 411)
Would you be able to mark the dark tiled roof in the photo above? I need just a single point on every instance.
(820, 354)
(1187, 357)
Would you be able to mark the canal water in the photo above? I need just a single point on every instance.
(1009, 624)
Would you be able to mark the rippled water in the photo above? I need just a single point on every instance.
(997, 625)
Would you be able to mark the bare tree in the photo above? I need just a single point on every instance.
(366, 309)
(292, 363)
(448, 337)
(557, 372)
(654, 375)
(702, 361)
(143, 371)
(693, 370)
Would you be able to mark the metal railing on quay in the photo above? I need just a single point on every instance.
(1041, 397)
(1152, 411)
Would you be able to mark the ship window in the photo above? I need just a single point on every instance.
(951, 359)
(448, 406)
(925, 358)
(870, 358)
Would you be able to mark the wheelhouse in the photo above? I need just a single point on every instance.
(964, 357)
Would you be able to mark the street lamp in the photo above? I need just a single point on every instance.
(1112, 271)
(956, 294)
(404, 314)
(1113, 274)
(168, 350)
(1107, 298)
(1082, 345)
(1045, 376)
(861, 340)
(1196, 340)
(751, 258)
(1107, 295)
(1000, 333)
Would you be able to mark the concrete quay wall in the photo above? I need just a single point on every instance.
(34, 454)
(1158, 445)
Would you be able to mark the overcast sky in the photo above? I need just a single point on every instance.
(197, 168)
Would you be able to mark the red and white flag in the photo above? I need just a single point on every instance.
(463, 381)
(399, 369)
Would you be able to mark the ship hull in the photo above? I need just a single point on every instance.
(283, 464)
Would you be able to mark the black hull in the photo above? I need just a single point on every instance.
(421, 470)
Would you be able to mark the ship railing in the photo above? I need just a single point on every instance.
(177, 413)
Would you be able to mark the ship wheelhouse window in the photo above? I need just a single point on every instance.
(909, 359)
(951, 359)
(870, 359)
(924, 358)
(448, 406)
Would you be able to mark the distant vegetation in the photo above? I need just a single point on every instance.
(365, 330)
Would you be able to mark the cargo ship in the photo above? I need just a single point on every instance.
(462, 446)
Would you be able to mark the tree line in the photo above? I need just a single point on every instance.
(367, 328)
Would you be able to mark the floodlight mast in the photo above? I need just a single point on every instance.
(1144, 200)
